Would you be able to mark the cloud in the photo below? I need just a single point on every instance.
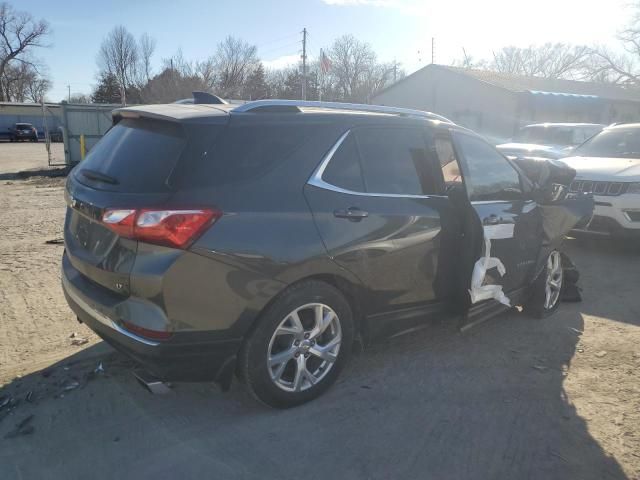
(371, 3)
(409, 7)
(281, 62)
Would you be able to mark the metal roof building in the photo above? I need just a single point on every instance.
(497, 104)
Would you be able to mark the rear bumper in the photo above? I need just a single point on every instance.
(177, 359)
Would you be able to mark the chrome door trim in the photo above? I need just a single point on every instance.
(317, 181)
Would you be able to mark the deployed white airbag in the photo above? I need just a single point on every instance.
(478, 291)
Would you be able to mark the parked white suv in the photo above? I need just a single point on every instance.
(608, 165)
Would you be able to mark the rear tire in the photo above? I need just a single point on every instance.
(301, 343)
(545, 293)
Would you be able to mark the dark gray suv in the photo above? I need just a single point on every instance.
(265, 239)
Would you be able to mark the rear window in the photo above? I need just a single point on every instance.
(136, 155)
(23, 125)
(241, 153)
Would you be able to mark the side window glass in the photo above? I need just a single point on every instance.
(488, 175)
(448, 161)
(393, 160)
(344, 168)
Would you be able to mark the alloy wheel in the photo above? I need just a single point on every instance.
(553, 284)
(304, 347)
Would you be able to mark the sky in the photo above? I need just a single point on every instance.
(396, 29)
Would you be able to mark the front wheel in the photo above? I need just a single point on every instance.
(544, 297)
(300, 345)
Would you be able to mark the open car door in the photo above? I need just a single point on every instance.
(513, 217)
(501, 227)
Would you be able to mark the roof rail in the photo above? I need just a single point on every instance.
(271, 104)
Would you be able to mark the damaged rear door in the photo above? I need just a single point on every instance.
(510, 221)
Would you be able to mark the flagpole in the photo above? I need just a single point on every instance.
(321, 76)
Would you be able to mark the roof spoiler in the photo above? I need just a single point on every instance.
(207, 98)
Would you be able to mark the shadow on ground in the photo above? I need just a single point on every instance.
(488, 404)
(38, 172)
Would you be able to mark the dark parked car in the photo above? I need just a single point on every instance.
(23, 131)
(265, 239)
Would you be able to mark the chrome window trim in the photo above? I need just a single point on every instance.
(317, 181)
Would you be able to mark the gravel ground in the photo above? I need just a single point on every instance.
(511, 398)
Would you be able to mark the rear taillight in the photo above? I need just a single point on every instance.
(172, 228)
(145, 332)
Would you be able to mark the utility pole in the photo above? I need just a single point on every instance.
(69, 95)
(304, 64)
(433, 50)
(395, 70)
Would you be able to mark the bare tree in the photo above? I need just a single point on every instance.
(468, 61)
(171, 85)
(550, 60)
(37, 88)
(22, 82)
(206, 70)
(233, 61)
(20, 33)
(608, 66)
(146, 46)
(80, 98)
(352, 61)
(119, 56)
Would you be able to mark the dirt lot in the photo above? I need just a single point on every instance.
(512, 398)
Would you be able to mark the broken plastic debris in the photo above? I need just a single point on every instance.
(478, 291)
(99, 368)
(151, 383)
(55, 241)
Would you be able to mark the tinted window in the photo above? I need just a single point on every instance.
(391, 159)
(612, 143)
(244, 152)
(138, 155)
(550, 135)
(448, 161)
(488, 175)
(344, 168)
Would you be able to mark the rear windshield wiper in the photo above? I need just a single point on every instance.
(101, 177)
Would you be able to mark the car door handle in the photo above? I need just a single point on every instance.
(352, 213)
(491, 220)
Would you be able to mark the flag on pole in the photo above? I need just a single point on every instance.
(325, 62)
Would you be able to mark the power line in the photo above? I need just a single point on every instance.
(280, 48)
(291, 35)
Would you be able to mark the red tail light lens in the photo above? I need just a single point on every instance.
(172, 228)
(145, 332)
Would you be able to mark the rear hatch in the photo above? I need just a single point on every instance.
(130, 168)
